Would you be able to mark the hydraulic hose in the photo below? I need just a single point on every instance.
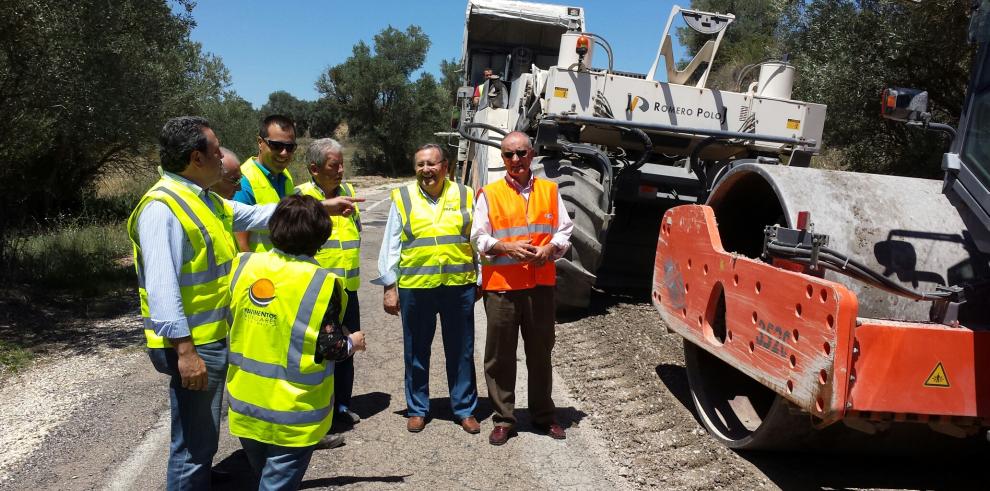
(462, 130)
(604, 44)
(843, 264)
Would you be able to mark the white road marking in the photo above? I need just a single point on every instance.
(375, 204)
(150, 447)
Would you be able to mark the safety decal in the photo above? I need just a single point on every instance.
(560, 92)
(938, 378)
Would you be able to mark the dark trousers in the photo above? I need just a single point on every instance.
(419, 308)
(343, 378)
(530, 312)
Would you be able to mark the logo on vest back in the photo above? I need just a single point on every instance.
(262, 292)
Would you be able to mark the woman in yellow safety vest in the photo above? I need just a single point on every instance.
(284, 339)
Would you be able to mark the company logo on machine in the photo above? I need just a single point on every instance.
(262, 292)
(635, 101)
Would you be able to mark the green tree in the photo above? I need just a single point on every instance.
(286, 104)
(848, 51)
(87, 84)
(235, 122)
(451, 79)
(388, 114)
(324, 118)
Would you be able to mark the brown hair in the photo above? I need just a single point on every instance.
(299, 225)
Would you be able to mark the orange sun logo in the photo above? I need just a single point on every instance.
(262, 292)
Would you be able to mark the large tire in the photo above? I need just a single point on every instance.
(582, 194)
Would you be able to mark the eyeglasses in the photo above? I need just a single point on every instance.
(517, 153)
(278, 146)
(232, 179)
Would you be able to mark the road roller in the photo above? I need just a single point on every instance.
(815, 304)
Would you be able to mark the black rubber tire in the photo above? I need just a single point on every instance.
(582, 194)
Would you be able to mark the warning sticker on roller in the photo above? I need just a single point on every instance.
(938, 378)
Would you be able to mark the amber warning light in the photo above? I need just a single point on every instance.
(582, 45)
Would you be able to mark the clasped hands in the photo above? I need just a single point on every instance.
(524, 251)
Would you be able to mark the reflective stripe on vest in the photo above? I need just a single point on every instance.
(203, 279)
(277, 393)
(436, 246)
(264, 193)
(341, 253)
(514, 218)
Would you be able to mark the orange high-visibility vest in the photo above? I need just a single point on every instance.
(512, 219)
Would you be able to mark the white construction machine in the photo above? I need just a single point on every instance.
(623, 147)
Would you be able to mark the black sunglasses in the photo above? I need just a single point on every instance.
(517, 153)
(278, 146)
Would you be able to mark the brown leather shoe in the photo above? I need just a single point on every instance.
(470, 425)
(553, 430)
(415, 424)
(500, 435)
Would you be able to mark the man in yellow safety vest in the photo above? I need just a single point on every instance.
(266, 176)
(341, 254)
(285, 336)
(427, 267)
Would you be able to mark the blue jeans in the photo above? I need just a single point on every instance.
(419, 308)
(195, 416)
(280, 467)
(343, 375)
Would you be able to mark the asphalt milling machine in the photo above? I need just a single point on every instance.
(623, 147)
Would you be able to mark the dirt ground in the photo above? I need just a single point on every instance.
(628, 374)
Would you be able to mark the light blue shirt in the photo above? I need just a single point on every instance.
(165, 247)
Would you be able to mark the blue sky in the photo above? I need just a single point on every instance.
(269, 46)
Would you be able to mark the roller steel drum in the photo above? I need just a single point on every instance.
(902, 227)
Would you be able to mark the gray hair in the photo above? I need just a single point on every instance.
(319, 150)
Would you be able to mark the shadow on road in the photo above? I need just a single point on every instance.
(440, 409)
(675, 378)
(333, 482)
(370, 404)
(70, 324)
(856, 465)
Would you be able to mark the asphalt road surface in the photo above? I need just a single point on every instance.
(93, 414)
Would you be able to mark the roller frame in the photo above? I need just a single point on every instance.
(872, 369)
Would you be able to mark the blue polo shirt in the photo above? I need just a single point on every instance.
(246, 194)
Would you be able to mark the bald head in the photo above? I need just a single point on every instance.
(230, 180)
(517, 154)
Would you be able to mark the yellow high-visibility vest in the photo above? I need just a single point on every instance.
(436, 246)
(264, 193)
(341, 253)
(204, 279)
(277, 392)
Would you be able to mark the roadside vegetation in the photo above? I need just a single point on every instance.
(85, 87)
(846, 52)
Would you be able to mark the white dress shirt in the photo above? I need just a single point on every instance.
(481, 229)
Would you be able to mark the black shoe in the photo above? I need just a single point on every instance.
(332, 440)
(347, 417)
